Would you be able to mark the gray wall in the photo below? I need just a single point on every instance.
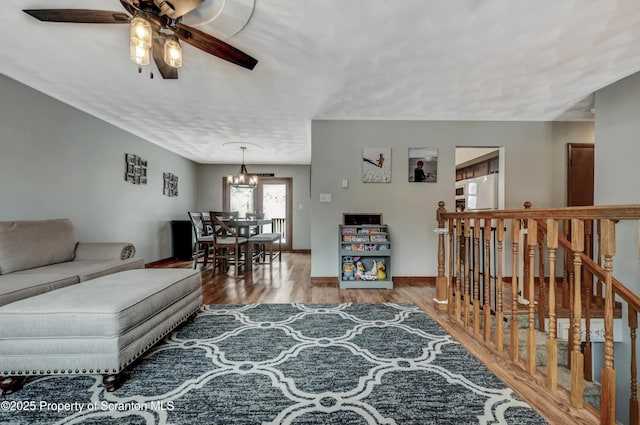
(617, 152)
(210, 193)
(409, 208)
(56, 161)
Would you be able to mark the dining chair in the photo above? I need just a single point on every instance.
(229, 248)
(254, 230)
(203, 244)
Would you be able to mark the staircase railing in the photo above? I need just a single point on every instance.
(574, 279)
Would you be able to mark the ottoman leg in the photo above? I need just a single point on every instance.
(113, 382)
(11, 384)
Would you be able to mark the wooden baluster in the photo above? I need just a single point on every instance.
(513, 326)
(587, 285)
(566, 296)
(569, 287)
(467, 277)
(499, 306)
(476, 276)
(486, 308)
(525, 261)
(541, 282)
(599, 293)
(440, 301)
(525, 256)
(459, 253)
(452, 276)
(552, 341)
(608, 373)
(633, 399)
(532, 241)
(577, 358)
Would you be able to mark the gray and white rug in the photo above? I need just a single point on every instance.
(287, 364)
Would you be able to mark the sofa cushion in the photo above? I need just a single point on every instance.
(86, 270)
(27, 244)
(14, 287)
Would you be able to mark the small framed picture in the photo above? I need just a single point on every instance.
(423, 165)
(376, 165)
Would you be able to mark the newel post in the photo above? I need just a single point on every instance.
(440, 301)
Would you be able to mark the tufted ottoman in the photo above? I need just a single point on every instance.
(96, 327)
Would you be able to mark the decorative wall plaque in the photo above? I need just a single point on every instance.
(170, 187)
(135, 169)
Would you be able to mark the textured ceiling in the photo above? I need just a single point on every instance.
(535, 60)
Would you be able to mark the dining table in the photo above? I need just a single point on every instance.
(246, 226)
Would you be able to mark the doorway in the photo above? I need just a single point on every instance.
(474, 165)
(580, 174)
(271, 197)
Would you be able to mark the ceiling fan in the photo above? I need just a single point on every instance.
(155, 30)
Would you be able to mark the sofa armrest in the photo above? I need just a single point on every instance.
(104, 251)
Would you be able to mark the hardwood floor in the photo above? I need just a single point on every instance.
(289, 281)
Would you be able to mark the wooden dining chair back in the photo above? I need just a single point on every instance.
(230, 249)
(254, 230)
(203, 244)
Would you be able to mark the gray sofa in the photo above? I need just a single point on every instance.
(42, 255)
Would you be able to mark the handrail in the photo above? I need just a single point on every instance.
(597, 270)
(611, 212)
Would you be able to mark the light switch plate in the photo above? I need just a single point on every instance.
(325, 197)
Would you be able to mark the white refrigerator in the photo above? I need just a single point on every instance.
(481, 193)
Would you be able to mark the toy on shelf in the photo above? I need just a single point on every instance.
(359, 269)
(382, 275)
(373, 273)
(348, 268)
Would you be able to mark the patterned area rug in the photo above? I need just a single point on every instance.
(287, 364)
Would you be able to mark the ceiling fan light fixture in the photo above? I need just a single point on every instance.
(139, 55)
(140, 33)
(172, 52)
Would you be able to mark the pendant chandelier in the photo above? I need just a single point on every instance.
(243, 178)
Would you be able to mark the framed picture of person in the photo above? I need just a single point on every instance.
(423, 165)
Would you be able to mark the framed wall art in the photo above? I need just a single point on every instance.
(135, 169)
(170, 186)
(376, 165)
(423, 165)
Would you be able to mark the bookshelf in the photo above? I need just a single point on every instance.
(364, 256)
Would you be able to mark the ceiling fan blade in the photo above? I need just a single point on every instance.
(167, 72)
(214, 46)
(81, 16)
